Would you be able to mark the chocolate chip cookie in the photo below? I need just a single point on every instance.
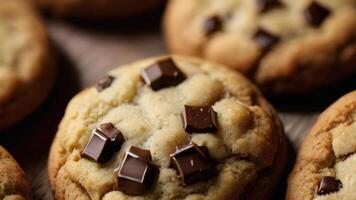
(98, 9)
(326, 164)
(12, 179)
(287, 47)
(26, 72)
(170, 127)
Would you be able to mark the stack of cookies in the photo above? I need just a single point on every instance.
(177, 127)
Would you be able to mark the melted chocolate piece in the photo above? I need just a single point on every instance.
(265, 40)
(315, 14)
(104, 142)
(104, 83)
(199, 119)
(328, 184)
(193, 164)
(162, 74)
(265, 5)
(137, 173)
(212, 24)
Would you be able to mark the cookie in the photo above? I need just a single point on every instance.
(326, 164)
(170, 127)
(98, 9)
(26, 72)
(12, 179)
(287, 47)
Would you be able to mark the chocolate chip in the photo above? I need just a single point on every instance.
(162, 74)
(199, 119)
(137, 173)
(104, 142)
(212, 24)
(193, 164)
(328, 184)
(265, 40)
(315, 14)
(104, 83)
(265, 5)
(115, 136)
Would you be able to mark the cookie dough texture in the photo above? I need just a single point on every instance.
(328, 150)
(26, 73)
(13, 185)
(249, 146)
(98, 9)
(306, 58)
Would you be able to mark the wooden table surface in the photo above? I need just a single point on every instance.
(86, 52)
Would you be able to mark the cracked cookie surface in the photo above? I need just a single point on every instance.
(13, 185)
(249, 146)
(26, 75)
(98, 9)
(285, 46)
(328, 151)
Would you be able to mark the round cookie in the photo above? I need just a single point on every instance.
(287, 47)
(326, 165)
(200, 131)
(26, 73)
(98, 9)
(13, 184)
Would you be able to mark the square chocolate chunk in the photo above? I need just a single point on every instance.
(115, 136)
(212, 24)
(193, 164)
(104, 142)
(315, 14)
(137, 173)
(328, 184)
(96, 147)
(265, 40)
(199, 119)
(162, 74)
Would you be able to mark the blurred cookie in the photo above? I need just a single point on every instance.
(98, 9)
(26, 74)
(12, 179)
(168, 128)
(285, 46)
(326, 164)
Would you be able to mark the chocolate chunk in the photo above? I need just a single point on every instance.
(315, 14)
(328, 184)
(104, 83)
(104, 142)
(199, 119)
(115, 136)
(137, 173)
(162, 74)
(212, 24)
(265, 40)
(265, 5)
(193, 164)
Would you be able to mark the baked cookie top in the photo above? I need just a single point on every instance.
(199, 130)
(13, 185)
(282, 44)
(98, 9)
(326, 164)
(23, 52)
